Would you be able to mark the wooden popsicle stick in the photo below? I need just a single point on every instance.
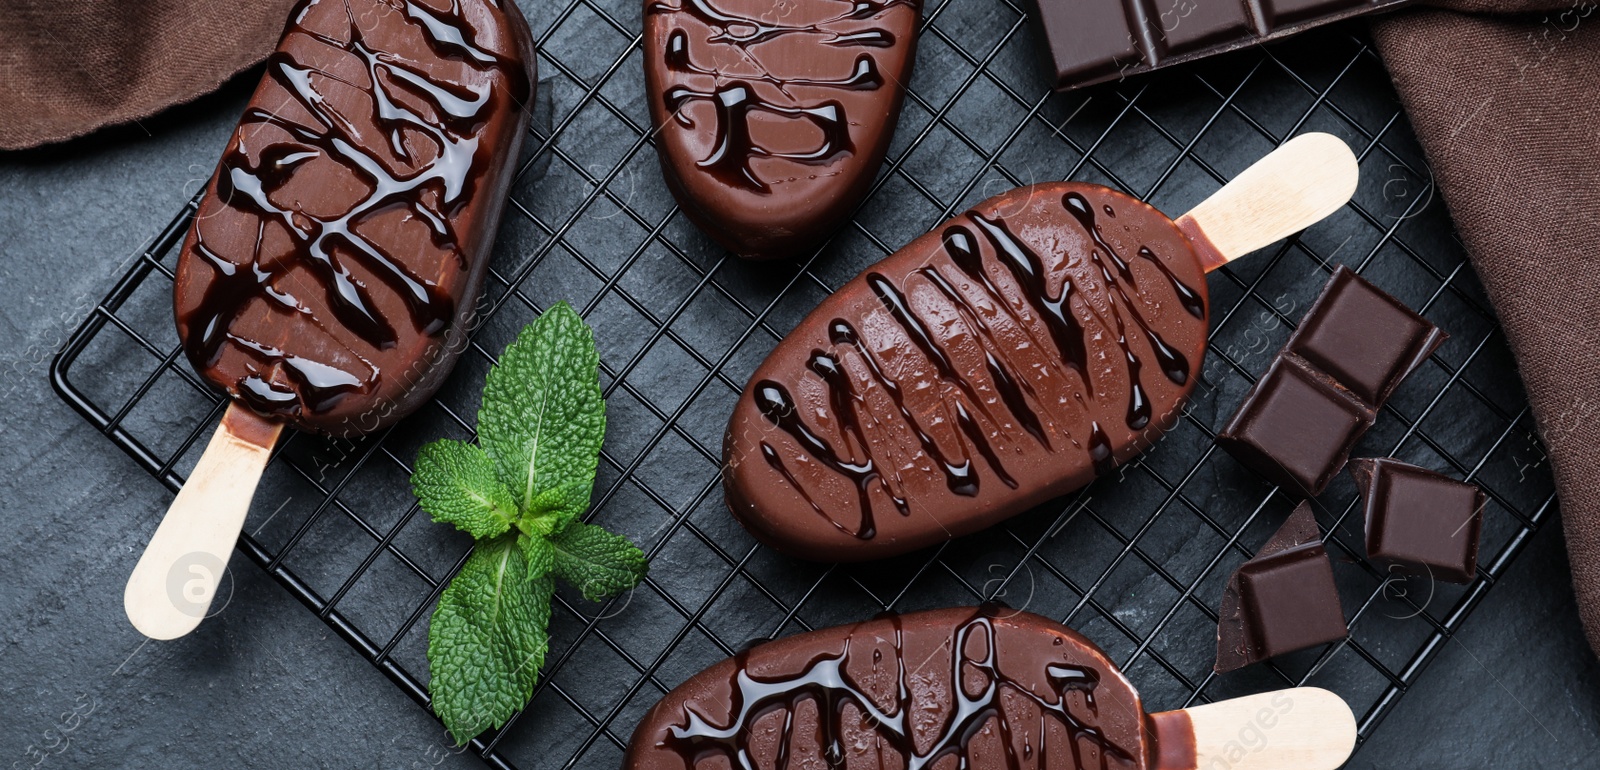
(1305, 728)
(1292, 188)
(172, 586)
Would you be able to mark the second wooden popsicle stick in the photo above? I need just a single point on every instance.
(1293, 187)
(1304, 728)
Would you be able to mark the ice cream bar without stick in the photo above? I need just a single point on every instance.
(1007, 357)
(330, 273)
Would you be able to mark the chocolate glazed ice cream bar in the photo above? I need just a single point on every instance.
(773, 118)
(330, 273)
(1007, 357)
(972, 688)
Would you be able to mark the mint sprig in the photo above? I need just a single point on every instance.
(520, 495)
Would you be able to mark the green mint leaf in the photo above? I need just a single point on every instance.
(487, 640)
(456, 484)
(521, 495)
(543, 418)
(539, 554)
(554, 508)
(598, 562)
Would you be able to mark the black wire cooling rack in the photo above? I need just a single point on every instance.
(1136, 561)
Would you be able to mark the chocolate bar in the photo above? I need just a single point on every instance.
(1093, 41)
(1282, 600)
(1419, 522)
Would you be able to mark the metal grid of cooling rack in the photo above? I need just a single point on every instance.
(1136, 561)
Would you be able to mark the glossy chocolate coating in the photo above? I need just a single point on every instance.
(1003, 359)
(773, 118)
(1282, 600)
(981, 689)
(1364, 338)
(1092, 41)
(1419, 522)
(1296, 427)
(330, 274)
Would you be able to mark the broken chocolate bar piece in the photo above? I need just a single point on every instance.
(1364, 338)
(1420, 522)
(1350, 352)
(773, 118)
(1282, 600)
(330, 273)
(1093, 41)
(964, 687)
(1296, 427)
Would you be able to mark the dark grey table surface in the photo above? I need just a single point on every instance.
(265, 684)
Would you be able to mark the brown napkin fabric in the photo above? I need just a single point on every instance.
(69, 67)
(1505, 97)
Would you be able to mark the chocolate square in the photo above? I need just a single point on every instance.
(1364, 338)
(1296, 427)
(1282, 600)
(1283, 12)
(1185, 25)
(1091, 38)
(1420, 522)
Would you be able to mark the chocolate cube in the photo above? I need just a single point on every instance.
(1420, 522)
(1282, 600)
(1296, 427)
(1364, 338)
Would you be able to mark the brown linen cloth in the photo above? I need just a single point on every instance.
(68, 67)
(1504, 94)
(1505, 97)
